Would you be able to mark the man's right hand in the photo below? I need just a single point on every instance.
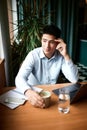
(34, 98)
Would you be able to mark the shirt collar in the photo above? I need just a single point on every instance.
(41, 53)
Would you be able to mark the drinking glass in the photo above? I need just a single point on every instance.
(63, 101)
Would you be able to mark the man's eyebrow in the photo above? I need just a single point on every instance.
(48, 40)
(44, 38)
(51, 40)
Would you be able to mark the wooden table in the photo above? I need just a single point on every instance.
(27, 117)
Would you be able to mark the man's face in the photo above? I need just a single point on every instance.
(48, 45)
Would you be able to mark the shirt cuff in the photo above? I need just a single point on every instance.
(69, 62)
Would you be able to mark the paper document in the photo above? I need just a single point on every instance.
(13, 98)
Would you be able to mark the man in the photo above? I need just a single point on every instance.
(45, 64)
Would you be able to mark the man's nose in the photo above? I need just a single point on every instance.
(47, 43)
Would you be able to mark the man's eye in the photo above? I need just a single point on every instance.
(44, 40)
(52, 42)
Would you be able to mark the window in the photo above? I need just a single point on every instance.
(12, 15)
(1, 47)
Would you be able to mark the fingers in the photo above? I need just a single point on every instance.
(59, 40)
(61, 47)
(35, 99)
(61, 44)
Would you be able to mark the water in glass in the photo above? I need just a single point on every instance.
(64, 103)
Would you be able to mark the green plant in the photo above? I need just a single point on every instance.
(29, 31)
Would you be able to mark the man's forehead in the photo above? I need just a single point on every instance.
(48, 37)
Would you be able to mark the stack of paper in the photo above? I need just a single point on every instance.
(13, 98)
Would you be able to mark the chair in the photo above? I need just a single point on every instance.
(2, 74)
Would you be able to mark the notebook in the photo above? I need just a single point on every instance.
(77, 92)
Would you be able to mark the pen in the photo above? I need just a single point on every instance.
(13, 100)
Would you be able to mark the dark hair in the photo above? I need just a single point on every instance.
(52, 30)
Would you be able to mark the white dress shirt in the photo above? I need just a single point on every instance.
(44, 70)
